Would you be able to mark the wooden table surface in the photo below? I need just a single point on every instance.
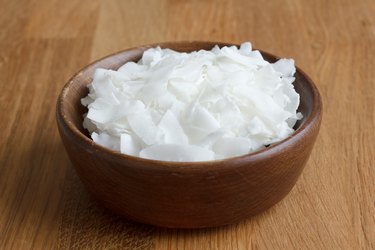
(43, 205)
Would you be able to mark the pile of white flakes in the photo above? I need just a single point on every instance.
(198, 106)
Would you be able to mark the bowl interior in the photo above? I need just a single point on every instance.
(70, 99)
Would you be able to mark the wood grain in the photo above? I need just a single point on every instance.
(42, 203)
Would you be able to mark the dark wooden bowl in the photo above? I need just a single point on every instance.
(183, 194)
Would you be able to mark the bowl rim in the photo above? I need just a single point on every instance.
(275, 148)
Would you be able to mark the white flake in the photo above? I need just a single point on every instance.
(196, 106)
(177, 152)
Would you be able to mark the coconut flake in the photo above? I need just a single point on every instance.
(285, 67)
(130, 145)
(173, 132)
(196, 106)
(144, 127)
(177, 152)
(106, 140)
(230, 147)
(199, 117)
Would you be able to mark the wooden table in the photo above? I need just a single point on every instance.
(43, 205)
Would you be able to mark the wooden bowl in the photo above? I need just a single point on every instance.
(185, 194)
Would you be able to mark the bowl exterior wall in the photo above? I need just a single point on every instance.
(173, 197)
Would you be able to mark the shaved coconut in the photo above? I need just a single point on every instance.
(200, 118)
(173, 132)
(232, 53)
(230, 147)
(100, 111)
(246, 48)
(106, 140)
(211, 138)
(176, 152)
(196, 106)
(144, 128)
(130, 145)
(285, 67)
(133, 70)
